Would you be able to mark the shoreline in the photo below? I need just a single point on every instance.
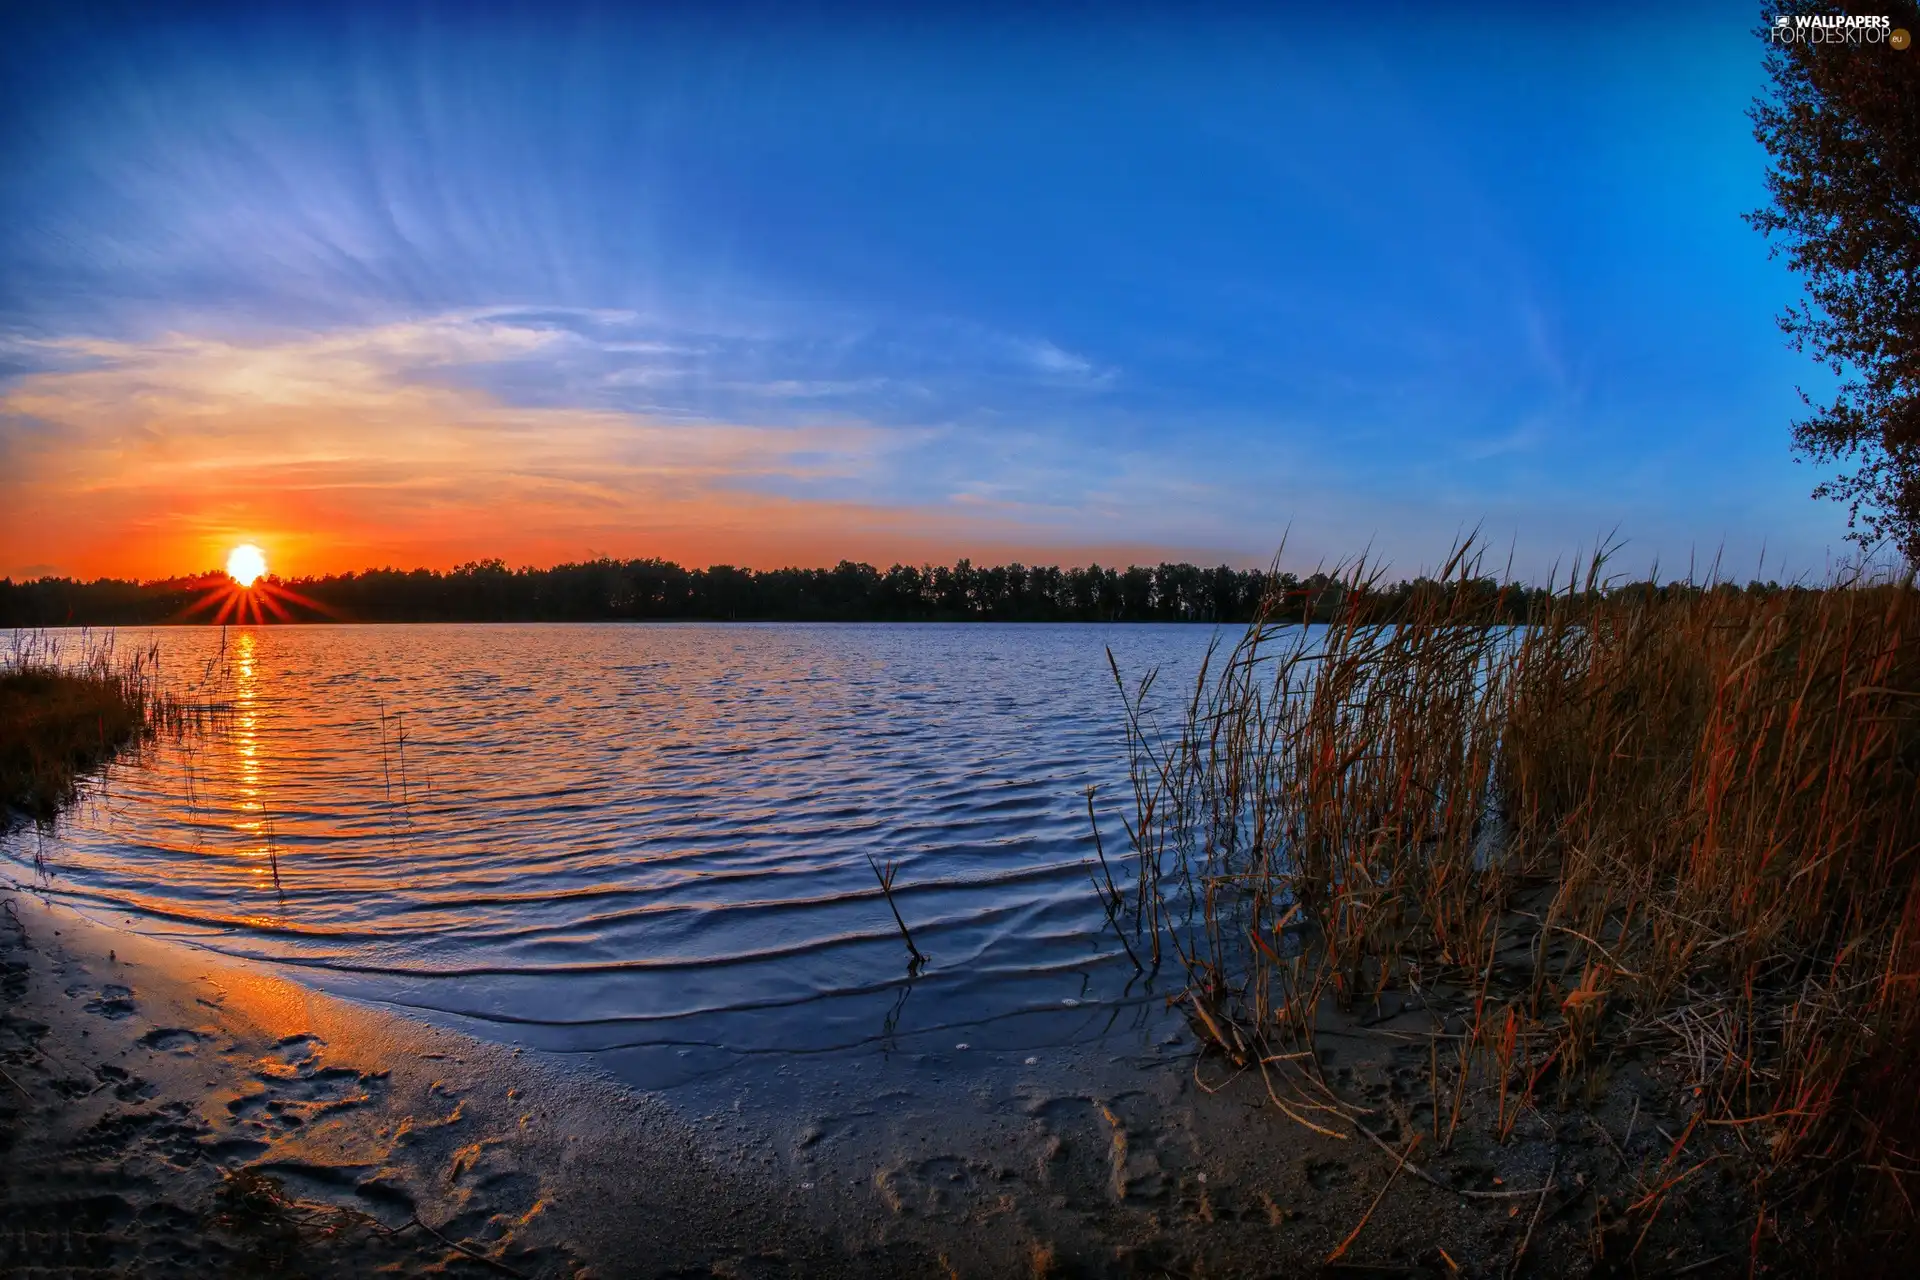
(153, 1086)
(143, 1074)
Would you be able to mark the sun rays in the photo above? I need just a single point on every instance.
(245, 594)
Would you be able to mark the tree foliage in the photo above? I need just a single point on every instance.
(659, 590)
(1842, 129)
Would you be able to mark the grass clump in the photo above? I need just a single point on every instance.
(63, 716)
(1677, 826)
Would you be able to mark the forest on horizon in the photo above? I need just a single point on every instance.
(608, 590)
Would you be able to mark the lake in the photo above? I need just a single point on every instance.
(647, 841)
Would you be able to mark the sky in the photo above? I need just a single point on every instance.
(399, 285)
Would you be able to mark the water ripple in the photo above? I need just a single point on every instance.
(590, 827)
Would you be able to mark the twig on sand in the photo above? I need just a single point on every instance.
(885, 876)
(1618, 1153)
(1416, 1170)
(466, 1249)
(16, 1084)
(1361, 1225)
(1442, 1183)
(1534, 1221)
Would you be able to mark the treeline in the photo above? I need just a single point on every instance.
(659, 590)
(647, 590)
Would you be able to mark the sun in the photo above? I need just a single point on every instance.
(246, 564)
(249, 596)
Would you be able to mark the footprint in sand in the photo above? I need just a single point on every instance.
(113, 1002)
(290, 1089)
(290, 1055)
(1327, 1175)
(1090, 1153)
(938, 1188)
(164, 1132)
(177, 1040)
(127, 1087)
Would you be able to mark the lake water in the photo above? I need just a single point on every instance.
(654, 840)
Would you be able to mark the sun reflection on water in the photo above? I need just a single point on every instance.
(253, 823)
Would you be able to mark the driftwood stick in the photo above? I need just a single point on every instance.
(1534, 1221)
(468, 1250)
(1442, 1183)
(16, 1084)
(1360, 1226)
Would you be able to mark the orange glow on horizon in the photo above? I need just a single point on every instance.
(169, 454)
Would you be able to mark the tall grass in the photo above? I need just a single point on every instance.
(65, 710)
(1685, 823)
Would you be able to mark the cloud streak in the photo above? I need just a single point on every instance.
(348, 448)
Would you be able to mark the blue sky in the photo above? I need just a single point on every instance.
(1088, 283)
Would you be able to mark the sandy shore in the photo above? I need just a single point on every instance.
(141, 1075)
(167, 1111)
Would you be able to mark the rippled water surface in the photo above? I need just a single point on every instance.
(598, 836)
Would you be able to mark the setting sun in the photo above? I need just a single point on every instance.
(246, 564)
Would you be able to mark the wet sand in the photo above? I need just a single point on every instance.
(141, 1074)
(152, 1089)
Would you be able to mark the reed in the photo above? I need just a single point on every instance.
(1685, 821)
(885, 875)
(65, 712)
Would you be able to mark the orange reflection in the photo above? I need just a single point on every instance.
(254, 824)
(274, 1004)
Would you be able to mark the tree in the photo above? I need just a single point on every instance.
(1842, 129)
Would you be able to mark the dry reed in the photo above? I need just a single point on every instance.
(1682, 820)
(65, 710)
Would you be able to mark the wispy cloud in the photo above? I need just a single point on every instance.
(1064, 365)
(396, 442)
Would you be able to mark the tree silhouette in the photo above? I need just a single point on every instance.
(1842, 130)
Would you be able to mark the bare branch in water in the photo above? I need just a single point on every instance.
(885, 877)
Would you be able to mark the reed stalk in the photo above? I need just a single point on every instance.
(1683, 817)
(65, 709)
